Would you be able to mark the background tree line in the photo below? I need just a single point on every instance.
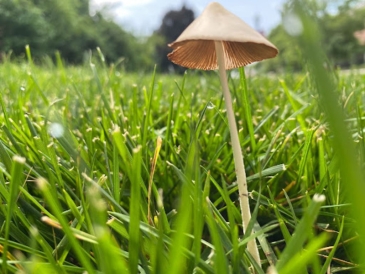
(338, 22)
(66, 26)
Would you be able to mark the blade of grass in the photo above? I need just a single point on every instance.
(16, 179)
(135, 208)
(56, 208)
(302, 232)
(247, 107)
(220, 260)
(301, 259)
(334, 248)
(147, 118)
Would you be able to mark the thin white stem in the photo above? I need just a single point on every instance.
(237, 152)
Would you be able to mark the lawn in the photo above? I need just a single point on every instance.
(107, 171)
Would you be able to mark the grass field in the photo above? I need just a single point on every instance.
(110, 172)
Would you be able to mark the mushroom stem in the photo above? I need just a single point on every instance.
(237, 152)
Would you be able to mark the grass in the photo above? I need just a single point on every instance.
(79, 200)
(106, 171)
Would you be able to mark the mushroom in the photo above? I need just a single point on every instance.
(218, 39)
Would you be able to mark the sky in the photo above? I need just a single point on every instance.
(142, 17)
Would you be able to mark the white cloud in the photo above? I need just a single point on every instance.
(144, 16)
(135, 3)
(124, 4)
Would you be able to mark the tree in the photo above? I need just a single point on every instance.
(340, 42)
(116, 43)
(23, 23)
(289, 58)
(70, 33)
(173, 24)
(66, 26)
(337, 30)
(84, 7)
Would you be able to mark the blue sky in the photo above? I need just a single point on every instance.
(142, 17)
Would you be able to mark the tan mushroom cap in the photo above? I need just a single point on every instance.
(242, 45)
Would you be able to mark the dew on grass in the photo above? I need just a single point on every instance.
(292, 24)
(56, 130)
(210, 105)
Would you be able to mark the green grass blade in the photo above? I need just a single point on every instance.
(247, 107)
(180, 241)
(220, 260)
(302, 232)
(135, 209)
(16, 179)
(146, 122)
(56, 208)
(334, 248)
(301, 259)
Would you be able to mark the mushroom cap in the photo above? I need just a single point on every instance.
(242, 45)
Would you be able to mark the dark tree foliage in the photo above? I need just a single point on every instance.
(173, 24)
(65, 26)
(22, 23)
(83, 7)
(340, 43)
